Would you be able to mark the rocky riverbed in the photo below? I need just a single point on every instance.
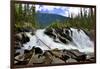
(55, 56)
(53, 46)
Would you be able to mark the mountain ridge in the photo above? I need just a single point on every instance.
(46, 19)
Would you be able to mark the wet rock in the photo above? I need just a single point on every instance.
(26, 51)
(17, 45)
(75, 54)
(25, 39)
(56, 53)
(50, 33)
(80, 58)
(16, 54)
(18, 37)
(70, 60)
(18, 59)
(48, 58)
(63, 40)
(55, 56)
(56, 60)
(38, 50)
(34, 56)
(60, 34)
(65, 57)
(33, 59)
(22, 37)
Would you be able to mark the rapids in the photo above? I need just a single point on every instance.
(81, 41)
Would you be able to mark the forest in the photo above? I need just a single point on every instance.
(25, 17)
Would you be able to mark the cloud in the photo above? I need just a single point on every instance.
(60, 10)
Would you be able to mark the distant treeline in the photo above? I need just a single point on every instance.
(25, 18)
(84, 20)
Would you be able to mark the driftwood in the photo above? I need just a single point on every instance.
(43, 42)
(32, 58)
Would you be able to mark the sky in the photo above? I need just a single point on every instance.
(64, 11)
(60, 10)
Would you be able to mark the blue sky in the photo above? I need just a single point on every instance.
(53, 9)
(60, 10)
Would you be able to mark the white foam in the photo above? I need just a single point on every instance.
(80, 41)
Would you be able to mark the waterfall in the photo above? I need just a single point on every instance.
(80, 41)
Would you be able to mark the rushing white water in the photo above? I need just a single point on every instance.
(80, 41)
